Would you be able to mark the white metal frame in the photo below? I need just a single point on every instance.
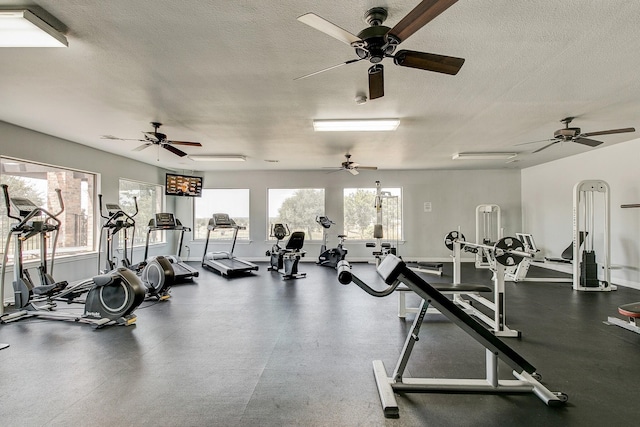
(584, 193)
(486, 217)
(519, 272)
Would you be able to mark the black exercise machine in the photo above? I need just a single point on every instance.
(285, 260)
(330, 257)
(166, 222)
(111, 298)
(156, 272)
(394, 272)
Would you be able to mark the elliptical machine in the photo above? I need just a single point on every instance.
(285, 260)
(111, 297)
(156, 272)
(330, 257)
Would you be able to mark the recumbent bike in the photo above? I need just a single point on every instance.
(285, 260)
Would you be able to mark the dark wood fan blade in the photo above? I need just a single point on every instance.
(368, 168)
(428, 61)
(351, 61)
(587, 141)
(545, 147)
(192, 144)
(609, 132)
(330, 29)
(142, 147)
(426, 11)
(376, 81)
(174, 150)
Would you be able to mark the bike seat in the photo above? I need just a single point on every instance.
(341, 236)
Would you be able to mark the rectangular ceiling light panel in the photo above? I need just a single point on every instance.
(368, 125)
(483, 156)
(213, 158)
(21, 28)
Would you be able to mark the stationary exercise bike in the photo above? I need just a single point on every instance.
(156, 272)
(285, 260)
(330, 257)
(111, 298)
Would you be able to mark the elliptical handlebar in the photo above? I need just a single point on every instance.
(36, 212)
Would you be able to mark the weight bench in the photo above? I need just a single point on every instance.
(632, 312)
(445, 288)
(394, 272)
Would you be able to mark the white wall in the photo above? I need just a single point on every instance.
(547, 204)
(454, 196)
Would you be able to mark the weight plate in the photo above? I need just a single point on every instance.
(452, 237)
(503, 248)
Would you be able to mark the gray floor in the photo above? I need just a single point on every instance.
(257, 351)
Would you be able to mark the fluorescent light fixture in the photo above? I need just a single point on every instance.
(483, 156)
(214, 158)
(364, 125)
(21, 28)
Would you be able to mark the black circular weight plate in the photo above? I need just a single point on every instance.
(503, 248)
(450, 238)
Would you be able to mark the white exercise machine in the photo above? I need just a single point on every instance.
(519, 273)
(488, 229)
(585, 265)
(506, 252)
(394, 272)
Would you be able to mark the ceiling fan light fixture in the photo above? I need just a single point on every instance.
(21, 28)
(483, 156)
(361, 125)
(214, 158)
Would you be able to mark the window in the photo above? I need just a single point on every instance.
(37, 183)
(232, 201)
(149, 198)
(298, 209)
(360, 213)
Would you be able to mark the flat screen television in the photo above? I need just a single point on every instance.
(183, 185)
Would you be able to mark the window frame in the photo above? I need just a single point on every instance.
(141, 226)
(400, 237)
(316, 227)
(86, 217)
(244, 236)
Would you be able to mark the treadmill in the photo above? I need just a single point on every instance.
(166, 221)
(224, 262)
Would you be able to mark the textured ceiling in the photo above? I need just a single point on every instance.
(222, 73)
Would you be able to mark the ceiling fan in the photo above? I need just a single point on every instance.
(157, 138)
(352, 167)
(574, 134)
(377, 42)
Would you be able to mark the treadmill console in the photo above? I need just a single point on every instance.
(221, 220)
(23, 206)
(164, 220)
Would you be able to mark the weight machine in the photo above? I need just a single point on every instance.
(394, 272)
(488, 230)
(506, 252)
(585, 267)
(385, 200)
